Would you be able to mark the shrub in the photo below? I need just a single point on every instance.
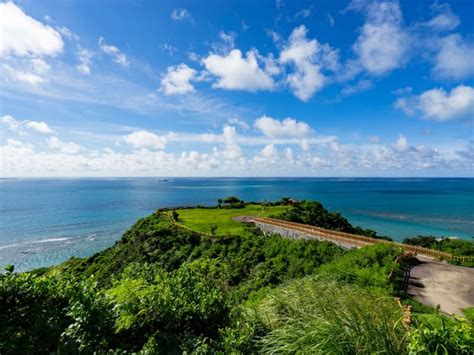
(41, 314)
(369, 266)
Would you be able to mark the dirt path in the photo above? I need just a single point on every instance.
(439, 283)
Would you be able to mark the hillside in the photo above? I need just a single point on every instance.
(224, 288)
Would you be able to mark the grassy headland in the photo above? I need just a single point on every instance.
(164, 289)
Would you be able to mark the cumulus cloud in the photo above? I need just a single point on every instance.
(114, 52)
(454, 58)
(231, 149)
(288, 127)
(309, 58)
(19, 126)
(177, 80)
(22, 35)
(268, 155)
(145, 139)
(382, 44)
(440, 105)
(180, 15)
(23, 159)
(62, 146)
(235, 72)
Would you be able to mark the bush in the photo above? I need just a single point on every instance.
(369, 266)
(169, 306)
(45, 314)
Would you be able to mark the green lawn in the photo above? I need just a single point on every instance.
(200, 219)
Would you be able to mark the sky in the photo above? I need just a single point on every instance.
(236, 88)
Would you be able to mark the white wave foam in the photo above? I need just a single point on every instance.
(8, 246)
(50, 240)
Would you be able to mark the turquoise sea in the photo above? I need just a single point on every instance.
(46, 221)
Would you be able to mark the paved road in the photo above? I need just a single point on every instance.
(439, 283)
(432, 282)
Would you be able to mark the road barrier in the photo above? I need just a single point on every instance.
(352, 240)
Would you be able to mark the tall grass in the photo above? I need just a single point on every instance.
(312, 316)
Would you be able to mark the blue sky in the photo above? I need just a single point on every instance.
(237, 88)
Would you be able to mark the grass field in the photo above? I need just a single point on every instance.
(201, 219)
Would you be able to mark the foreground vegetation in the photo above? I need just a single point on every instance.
(164, 289)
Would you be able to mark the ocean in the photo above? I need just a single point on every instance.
(44, 222)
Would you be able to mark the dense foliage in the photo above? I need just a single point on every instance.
(460, 247)
(314, 213)
(163, 289)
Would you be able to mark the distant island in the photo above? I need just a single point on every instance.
(200, 280)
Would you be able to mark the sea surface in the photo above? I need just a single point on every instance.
(46, 221)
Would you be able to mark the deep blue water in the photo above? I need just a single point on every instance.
(46, 221)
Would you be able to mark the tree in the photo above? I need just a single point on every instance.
(219, 202)
(231, 199)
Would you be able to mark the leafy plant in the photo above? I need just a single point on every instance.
(452, 337)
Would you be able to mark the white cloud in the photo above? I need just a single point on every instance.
(382, 44)
(304, 145)
(31, 71)
(268, 155)
(40, 127)
(12, 124)
(231, 149)
(63, 147)
(228, 39)
(235, 72)
(145, 139)
(330, 159)
(40, 66)
(66, 32)
(445, 20)
(437, 104)
(309, 59)
(236, 122)
(27, 77)
(271, 65)
(114, 52)
(22, 35)
(455, 58)
(177, 80)
(401, 145)
(288, 127)
(181, 14)
(85, 60)
(19, 126)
